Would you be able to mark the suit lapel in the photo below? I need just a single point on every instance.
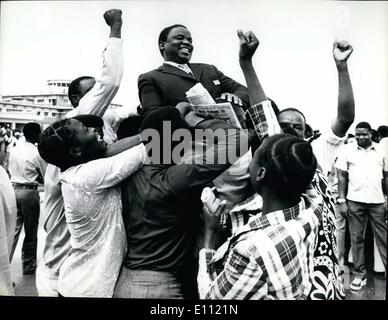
(166, 68)
(196, 70)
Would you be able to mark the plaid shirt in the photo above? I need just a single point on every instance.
(327, 283)
(263, 119)
(270, 257)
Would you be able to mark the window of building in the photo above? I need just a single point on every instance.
(40, 101)
(54, 102)
(13, 110)
(38, 113)
(46, 114)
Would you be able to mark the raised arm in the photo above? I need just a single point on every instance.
(345, 112)
(260, 113)
(113, 19)
(97, 100)
(248, 46)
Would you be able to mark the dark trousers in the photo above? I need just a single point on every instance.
(359, 215)
(28, 209)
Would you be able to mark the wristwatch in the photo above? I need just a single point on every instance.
(339, 200)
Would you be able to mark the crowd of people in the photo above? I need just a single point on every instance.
(8, 139)
(127, 208)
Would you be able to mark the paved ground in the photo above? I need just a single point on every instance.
(25, 285)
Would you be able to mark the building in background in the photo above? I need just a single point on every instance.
(46, 107)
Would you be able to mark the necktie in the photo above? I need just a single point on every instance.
(185, 69)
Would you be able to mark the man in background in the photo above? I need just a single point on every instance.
(27, 170)
(363, 185)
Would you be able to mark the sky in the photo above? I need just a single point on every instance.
(41, 40)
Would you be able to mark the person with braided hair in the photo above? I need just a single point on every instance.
(271, 256)
(327, 281)
(89, 96)
(91, 172)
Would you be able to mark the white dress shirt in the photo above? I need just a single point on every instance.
(365, 172)
(25, 164)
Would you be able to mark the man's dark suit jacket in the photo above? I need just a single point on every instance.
(166, 86)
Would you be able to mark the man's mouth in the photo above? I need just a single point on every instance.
(185, 50)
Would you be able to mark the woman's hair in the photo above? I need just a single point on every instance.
(54, 143)
(290, 164)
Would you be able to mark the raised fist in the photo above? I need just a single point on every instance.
(113, 16)
(248, 44)
(341, 51)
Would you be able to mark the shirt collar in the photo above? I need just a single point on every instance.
(371, 147)
(182, 66)
(262, 221)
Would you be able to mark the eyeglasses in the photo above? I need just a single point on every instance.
(295, 126)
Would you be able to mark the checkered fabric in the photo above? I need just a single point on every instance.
(268, 258)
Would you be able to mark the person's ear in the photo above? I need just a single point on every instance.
(75, 99)
(75, 152)
(261, 172)
(161, 47)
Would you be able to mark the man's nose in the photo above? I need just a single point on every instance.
(186, 41)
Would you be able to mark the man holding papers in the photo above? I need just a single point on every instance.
(167, 85)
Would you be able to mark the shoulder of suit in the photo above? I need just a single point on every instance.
(203, 65)
(149, 74)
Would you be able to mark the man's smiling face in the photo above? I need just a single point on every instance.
(178, 47)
